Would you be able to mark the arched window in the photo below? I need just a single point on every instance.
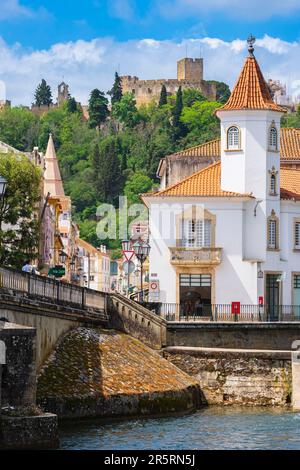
(273, 138)
(273, 185)
(233, 138)
(273, 231)
(273, 182)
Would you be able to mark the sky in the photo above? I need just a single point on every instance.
(85, 42)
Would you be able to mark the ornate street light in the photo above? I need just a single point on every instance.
(3, 184)
(126, 245)
(141, 251)
(62, 257)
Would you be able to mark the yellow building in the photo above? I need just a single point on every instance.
(94, 266)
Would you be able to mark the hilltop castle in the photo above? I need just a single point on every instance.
(189, 75)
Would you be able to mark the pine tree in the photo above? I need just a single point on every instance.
(179, 129)
(98, 108)
(110, 181)
(163, 96)
(43, 94)
(72, 105)
(96, 162)
(116, 91)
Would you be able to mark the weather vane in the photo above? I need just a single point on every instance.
(251, 40)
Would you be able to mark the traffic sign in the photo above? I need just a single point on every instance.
(57, 271)
(128, 267)
(128, 255)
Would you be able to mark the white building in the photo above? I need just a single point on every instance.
(231, 231)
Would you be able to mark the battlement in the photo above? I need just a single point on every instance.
(189, 75)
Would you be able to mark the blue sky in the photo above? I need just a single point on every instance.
(39, 24)
(85, 41)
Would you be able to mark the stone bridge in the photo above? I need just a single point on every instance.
(49, 306)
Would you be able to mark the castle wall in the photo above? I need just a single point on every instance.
(146, 91)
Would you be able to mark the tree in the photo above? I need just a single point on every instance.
(98, 108)
(43, 94)
(72, 106)
(139, 183)
(223, 91)
(191, 95)
(19, 128)
(110, 181)
(163, 96)
(201, 122)
(19, 227)
(178, 126)
(125, 110)
(116, 91)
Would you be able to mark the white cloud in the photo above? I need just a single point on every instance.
(13, 9)
(249, 9)
(89, 64)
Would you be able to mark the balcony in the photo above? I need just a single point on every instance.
(196, 256)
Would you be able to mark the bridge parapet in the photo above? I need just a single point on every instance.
(57, 292)
(138, 321)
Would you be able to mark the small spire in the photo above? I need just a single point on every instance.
(251, 40)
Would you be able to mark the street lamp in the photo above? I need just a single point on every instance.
(3, 184)
(141, 251)
(126, 245)
(62, 257)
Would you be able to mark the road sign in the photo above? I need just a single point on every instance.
(128, 255)
(128, 267)
(154, 291)
(236, 308)
(57, 271)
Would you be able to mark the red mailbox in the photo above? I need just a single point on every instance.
(236, 308)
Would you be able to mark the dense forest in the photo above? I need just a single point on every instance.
(118, 149)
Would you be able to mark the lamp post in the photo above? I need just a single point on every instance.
(126, 248)
(63, 257)
(141, 251)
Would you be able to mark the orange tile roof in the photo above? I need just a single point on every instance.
(208, 149)
(207, 183)
(289, 143)
(290, 183)
(204, 183)
(251, 90)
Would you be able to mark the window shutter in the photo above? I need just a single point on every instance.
(297, 235)
(207, 233)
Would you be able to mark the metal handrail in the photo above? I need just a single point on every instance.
(223, 313)
(58, 292)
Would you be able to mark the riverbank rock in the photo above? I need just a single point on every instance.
(102, 373)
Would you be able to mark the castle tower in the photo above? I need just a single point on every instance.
(63, 93)
(52, 178)
(190, 70)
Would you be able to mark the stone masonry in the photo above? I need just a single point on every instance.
(189, 75)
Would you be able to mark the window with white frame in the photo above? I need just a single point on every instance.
(196, 233)
(273, 138)
(233, 138)
(297, 235)
(272, 234)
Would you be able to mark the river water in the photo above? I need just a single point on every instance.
(210, 428)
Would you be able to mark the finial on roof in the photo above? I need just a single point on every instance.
(251, 40)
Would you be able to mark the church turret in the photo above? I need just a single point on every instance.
(52, 178)
(250, 132)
